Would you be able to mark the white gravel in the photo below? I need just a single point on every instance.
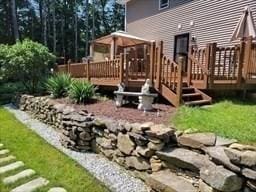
(111, 174)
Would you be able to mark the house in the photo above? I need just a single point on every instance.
(182, 46)
(182, 23)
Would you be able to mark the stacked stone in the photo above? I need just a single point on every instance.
(43, 108)
(77, 130)
(132, 145)
(165, 159)
(220, 165)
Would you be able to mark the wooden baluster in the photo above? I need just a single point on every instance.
(189, 70)
(212, 63)
(167, 72)
(88, 70)
(171, 73)
(121, 67)
(180, 81)
(247, 57)
(159, 65)
(240, 63)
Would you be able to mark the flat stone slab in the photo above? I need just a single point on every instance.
(11, 167)
(7, 159)
(247, 158)
(57, 189)
(18, 176)
(221, 141)
(220, 178)
(32, 185)
(219, 156)
(184, 158)
(197, 140)
(166, 181)
(242, 147)
(4, 152)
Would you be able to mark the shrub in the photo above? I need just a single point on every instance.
(28, 62)
(81, 91)
(58, 85)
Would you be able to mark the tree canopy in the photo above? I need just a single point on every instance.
(66, 27)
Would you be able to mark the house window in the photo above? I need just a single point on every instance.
(163, 4)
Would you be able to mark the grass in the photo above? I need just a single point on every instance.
(48, 162)
(230, 119)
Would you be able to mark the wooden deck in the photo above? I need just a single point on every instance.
(211, 68)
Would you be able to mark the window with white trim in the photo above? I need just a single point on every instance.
(163, 4)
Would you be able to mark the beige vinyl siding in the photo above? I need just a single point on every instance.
(214, 20)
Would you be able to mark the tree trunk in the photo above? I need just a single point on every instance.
(93, 20)
(87, 28)
(54, 26)
(76, 34)
(14, 20)
(44, 23)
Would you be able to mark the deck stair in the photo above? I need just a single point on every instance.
(192, 96)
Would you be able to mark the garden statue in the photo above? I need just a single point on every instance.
(146, 100)
(119, 98)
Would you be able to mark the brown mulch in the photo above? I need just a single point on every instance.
(162, 113)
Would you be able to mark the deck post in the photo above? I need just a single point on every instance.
(126, 69)
(69, 65)
(159, 65)
(189, 73)
(121, 72)
(247, 56)
(152, 61)
(212, 61)
(240, 63)
(88, 70)
(179, 81)
(207, 64)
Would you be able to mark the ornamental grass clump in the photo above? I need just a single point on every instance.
(81, 91)
(58, 85)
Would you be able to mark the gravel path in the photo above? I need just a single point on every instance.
(112, 175)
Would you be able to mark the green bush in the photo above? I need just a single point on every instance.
(58, 85)
(81, 91)
(27, 62)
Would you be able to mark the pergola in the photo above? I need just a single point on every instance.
(119, 39)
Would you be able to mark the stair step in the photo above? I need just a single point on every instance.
(169, 182)
(197, 102)
(188, 90)
(32, 185)
(18, 176)
(4, 152)
(11, 167)
(7, 159)
(191, 94)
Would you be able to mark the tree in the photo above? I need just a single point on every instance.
(27, 62)
(14, 20)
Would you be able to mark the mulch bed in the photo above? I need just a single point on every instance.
(162, 113)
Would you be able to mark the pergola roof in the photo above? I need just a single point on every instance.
(121, 39)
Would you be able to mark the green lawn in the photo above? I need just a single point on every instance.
(229, 119)
(43, 158)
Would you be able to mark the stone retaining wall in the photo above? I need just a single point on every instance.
(166, 159)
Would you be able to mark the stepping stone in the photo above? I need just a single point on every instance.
(7, 159)
(21, 175)
(31, 185)
(57, 189)
(168, 181)
(4, 151)
(11, 167)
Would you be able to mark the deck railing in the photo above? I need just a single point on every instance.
(103, 69)
(222, 65)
